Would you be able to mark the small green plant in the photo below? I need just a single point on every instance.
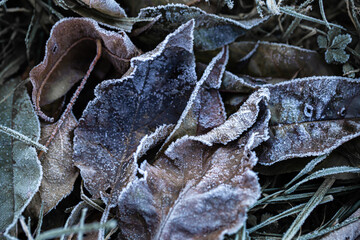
(335, 44)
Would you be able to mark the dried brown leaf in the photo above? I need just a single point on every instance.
(211, 31)
(196, 191)
(69, 53)
(106, 12)
(59, 172)
(125, 110)
(205, 109)
(133, 7)
(310, 117)
(276, 60)
(108, 7)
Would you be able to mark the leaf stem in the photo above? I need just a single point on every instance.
(293, 13)
(322, 12)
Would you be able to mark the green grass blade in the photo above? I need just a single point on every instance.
(308, 168)
(308, 208)
(286, 213)
(324, 173)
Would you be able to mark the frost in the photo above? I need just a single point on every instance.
(211, 31)
(196, 191)
(125, 110)
(20, 169)
(109, 7)
(59, 171)
(152, 140)
(276, 62)
(335, 44)
(205, 109)
(237, 123)
(68, 54)
(318, 117)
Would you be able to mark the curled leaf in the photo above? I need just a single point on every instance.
(237, 123)
(59, 172)
(108, 7)
(127, 109)
(319, 116)
(195, 191)
(69, 53)
(205, 109)
(211, 31)
(20, 169)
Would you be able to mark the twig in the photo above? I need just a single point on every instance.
(75, 96)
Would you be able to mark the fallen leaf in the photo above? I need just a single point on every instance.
(69, 53)
(205, 109)
(261, 63)
(134, 7)
(108, 7)
(197, 191)
(276, 61)
(127, 109)
(106, 12)
(20, 169)
(319, 116)
(211, 31)
(59, 172)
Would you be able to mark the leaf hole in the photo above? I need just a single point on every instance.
(108, 190)
(342, 112)
(55, 47)
(308, 110)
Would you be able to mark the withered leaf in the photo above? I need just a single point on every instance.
(133, 7)
(69, 53)
(277, 61)
(205, 109)
(59, 172)
(211, 31)
(310, 117)
(260, 63)
(125, 110)
(196, 191)
(108, 7)
(106, 12)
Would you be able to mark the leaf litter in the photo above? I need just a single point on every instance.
(140, 107)
(170, 154)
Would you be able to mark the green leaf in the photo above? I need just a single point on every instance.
(20, 169)
(348, 70)
(322, 42)
(336, 56)
(329, 56)
(333, 33)
(341, 41)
